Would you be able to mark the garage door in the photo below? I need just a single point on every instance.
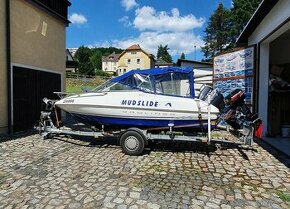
(29, 88)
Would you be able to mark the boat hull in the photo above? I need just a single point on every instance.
(142, 123)
(138, 109)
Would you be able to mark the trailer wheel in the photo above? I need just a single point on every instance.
(132, 143)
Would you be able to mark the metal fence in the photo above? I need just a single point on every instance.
(86, 77)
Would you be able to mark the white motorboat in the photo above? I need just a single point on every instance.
(148, 99)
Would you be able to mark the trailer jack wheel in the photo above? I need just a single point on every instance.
(132, 143)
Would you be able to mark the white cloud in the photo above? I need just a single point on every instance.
(177, 42)
(125, 20)
(128, 4)
(78, 19)
(161, 28)
(147, 18)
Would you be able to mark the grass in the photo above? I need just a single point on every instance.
(284, 196)
(77, 89)
(76, 85)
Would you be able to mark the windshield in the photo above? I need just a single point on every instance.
(112, 86)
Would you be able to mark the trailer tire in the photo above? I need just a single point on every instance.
(132, 143)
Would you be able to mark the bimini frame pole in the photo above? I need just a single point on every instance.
(208, 120)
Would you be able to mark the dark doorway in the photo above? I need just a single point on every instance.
(29, 88)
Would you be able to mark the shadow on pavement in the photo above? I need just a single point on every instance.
(14, 136)
(163, 146)
(274, 152)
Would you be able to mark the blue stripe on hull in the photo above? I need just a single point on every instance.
(132, 122)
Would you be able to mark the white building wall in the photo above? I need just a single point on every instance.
(202, 73)
(278, 15)
(264, 85)
(109, 66)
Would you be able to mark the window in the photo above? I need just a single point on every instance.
(129, 61)
(124, 70)
(133, 52)
(138, 61)
(106, 63)
(173, 84)
(143, 82)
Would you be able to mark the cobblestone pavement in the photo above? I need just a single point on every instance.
(73, 173)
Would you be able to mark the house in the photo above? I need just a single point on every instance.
(110, 63)
(202, 72)
(73, 51)
(32, 61)
(268, 31)
(71, 64)
(134, 58)
(161, 63)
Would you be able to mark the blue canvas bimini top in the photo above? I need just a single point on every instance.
(155, 71)
(175, 81)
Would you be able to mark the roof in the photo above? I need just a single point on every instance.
(136, 47)
(57, 8)
(69, 56)
(111, 58)
(193, 61)
(261, 12)
(161, 62)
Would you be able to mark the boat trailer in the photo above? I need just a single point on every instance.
(134, 140)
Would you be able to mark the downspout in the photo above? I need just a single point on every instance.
(8, 63)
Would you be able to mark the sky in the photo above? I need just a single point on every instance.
(180, 24)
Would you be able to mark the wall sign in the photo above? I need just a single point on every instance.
(235, 70)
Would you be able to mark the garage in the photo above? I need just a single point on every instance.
(30, 86)
(279, 86)
(269, 31)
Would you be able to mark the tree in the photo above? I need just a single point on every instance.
(163, 53)
(83, 57)
(90, 60)
(182, 56)
(218, 33)
(96, 59)
(242, 11)
(224, 26)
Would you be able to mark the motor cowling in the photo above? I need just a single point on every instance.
(216, 98)
(47, 104)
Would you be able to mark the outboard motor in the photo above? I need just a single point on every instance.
(205, 90)
(236, 112)
(216, 98)
(47, 104)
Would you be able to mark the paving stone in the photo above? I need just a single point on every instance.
(109, 205)
(67, 173)
(153, 206)
(122, 207)
(135, 195)
(88, 199)
(118, 200)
